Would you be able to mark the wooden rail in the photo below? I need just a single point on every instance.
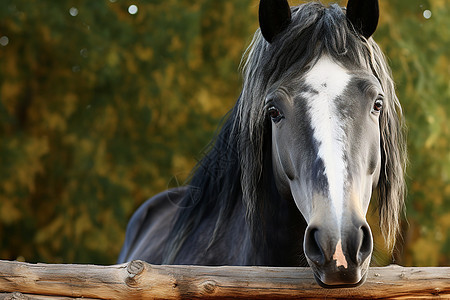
(140, 280)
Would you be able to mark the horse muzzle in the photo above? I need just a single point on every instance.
(339, 258)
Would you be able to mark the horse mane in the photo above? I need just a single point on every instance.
(237, 166)
(391, 187)
(213, 184)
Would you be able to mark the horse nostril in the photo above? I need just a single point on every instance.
(313, 250)
(366, 244)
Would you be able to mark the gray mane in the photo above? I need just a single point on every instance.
(315, 30)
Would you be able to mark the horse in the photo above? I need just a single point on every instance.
(287, 180)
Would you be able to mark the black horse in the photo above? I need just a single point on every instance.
(289, 177)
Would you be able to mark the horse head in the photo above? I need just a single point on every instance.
(330, 119)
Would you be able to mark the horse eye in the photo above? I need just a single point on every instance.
(378, 105)
(274, 114)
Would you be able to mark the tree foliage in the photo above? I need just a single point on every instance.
(101, 109)
(416, 38)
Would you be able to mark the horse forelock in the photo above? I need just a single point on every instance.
(314, 31)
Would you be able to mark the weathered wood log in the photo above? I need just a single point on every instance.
(139, 280)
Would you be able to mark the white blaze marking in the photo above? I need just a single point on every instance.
(339, 256)
(329, 80)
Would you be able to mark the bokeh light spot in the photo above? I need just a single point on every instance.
(133, 9)
(73, 11)
(427, 14)
(84, 52)
(4, 40)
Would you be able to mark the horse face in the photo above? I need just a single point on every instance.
(326, 157)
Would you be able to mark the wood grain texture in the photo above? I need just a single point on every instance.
(140, 280)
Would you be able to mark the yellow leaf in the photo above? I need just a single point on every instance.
(144, 53)
(50, 231)
(112, 58)
(82, 224)
(8, 212)
(426, 250)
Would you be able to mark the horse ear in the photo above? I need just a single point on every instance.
(363, 15)
(274, 17)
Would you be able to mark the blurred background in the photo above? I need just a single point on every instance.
(105, 103)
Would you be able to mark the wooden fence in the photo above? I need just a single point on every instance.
(140, 280)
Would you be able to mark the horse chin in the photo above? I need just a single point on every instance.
(341, 279)
(340, 285)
